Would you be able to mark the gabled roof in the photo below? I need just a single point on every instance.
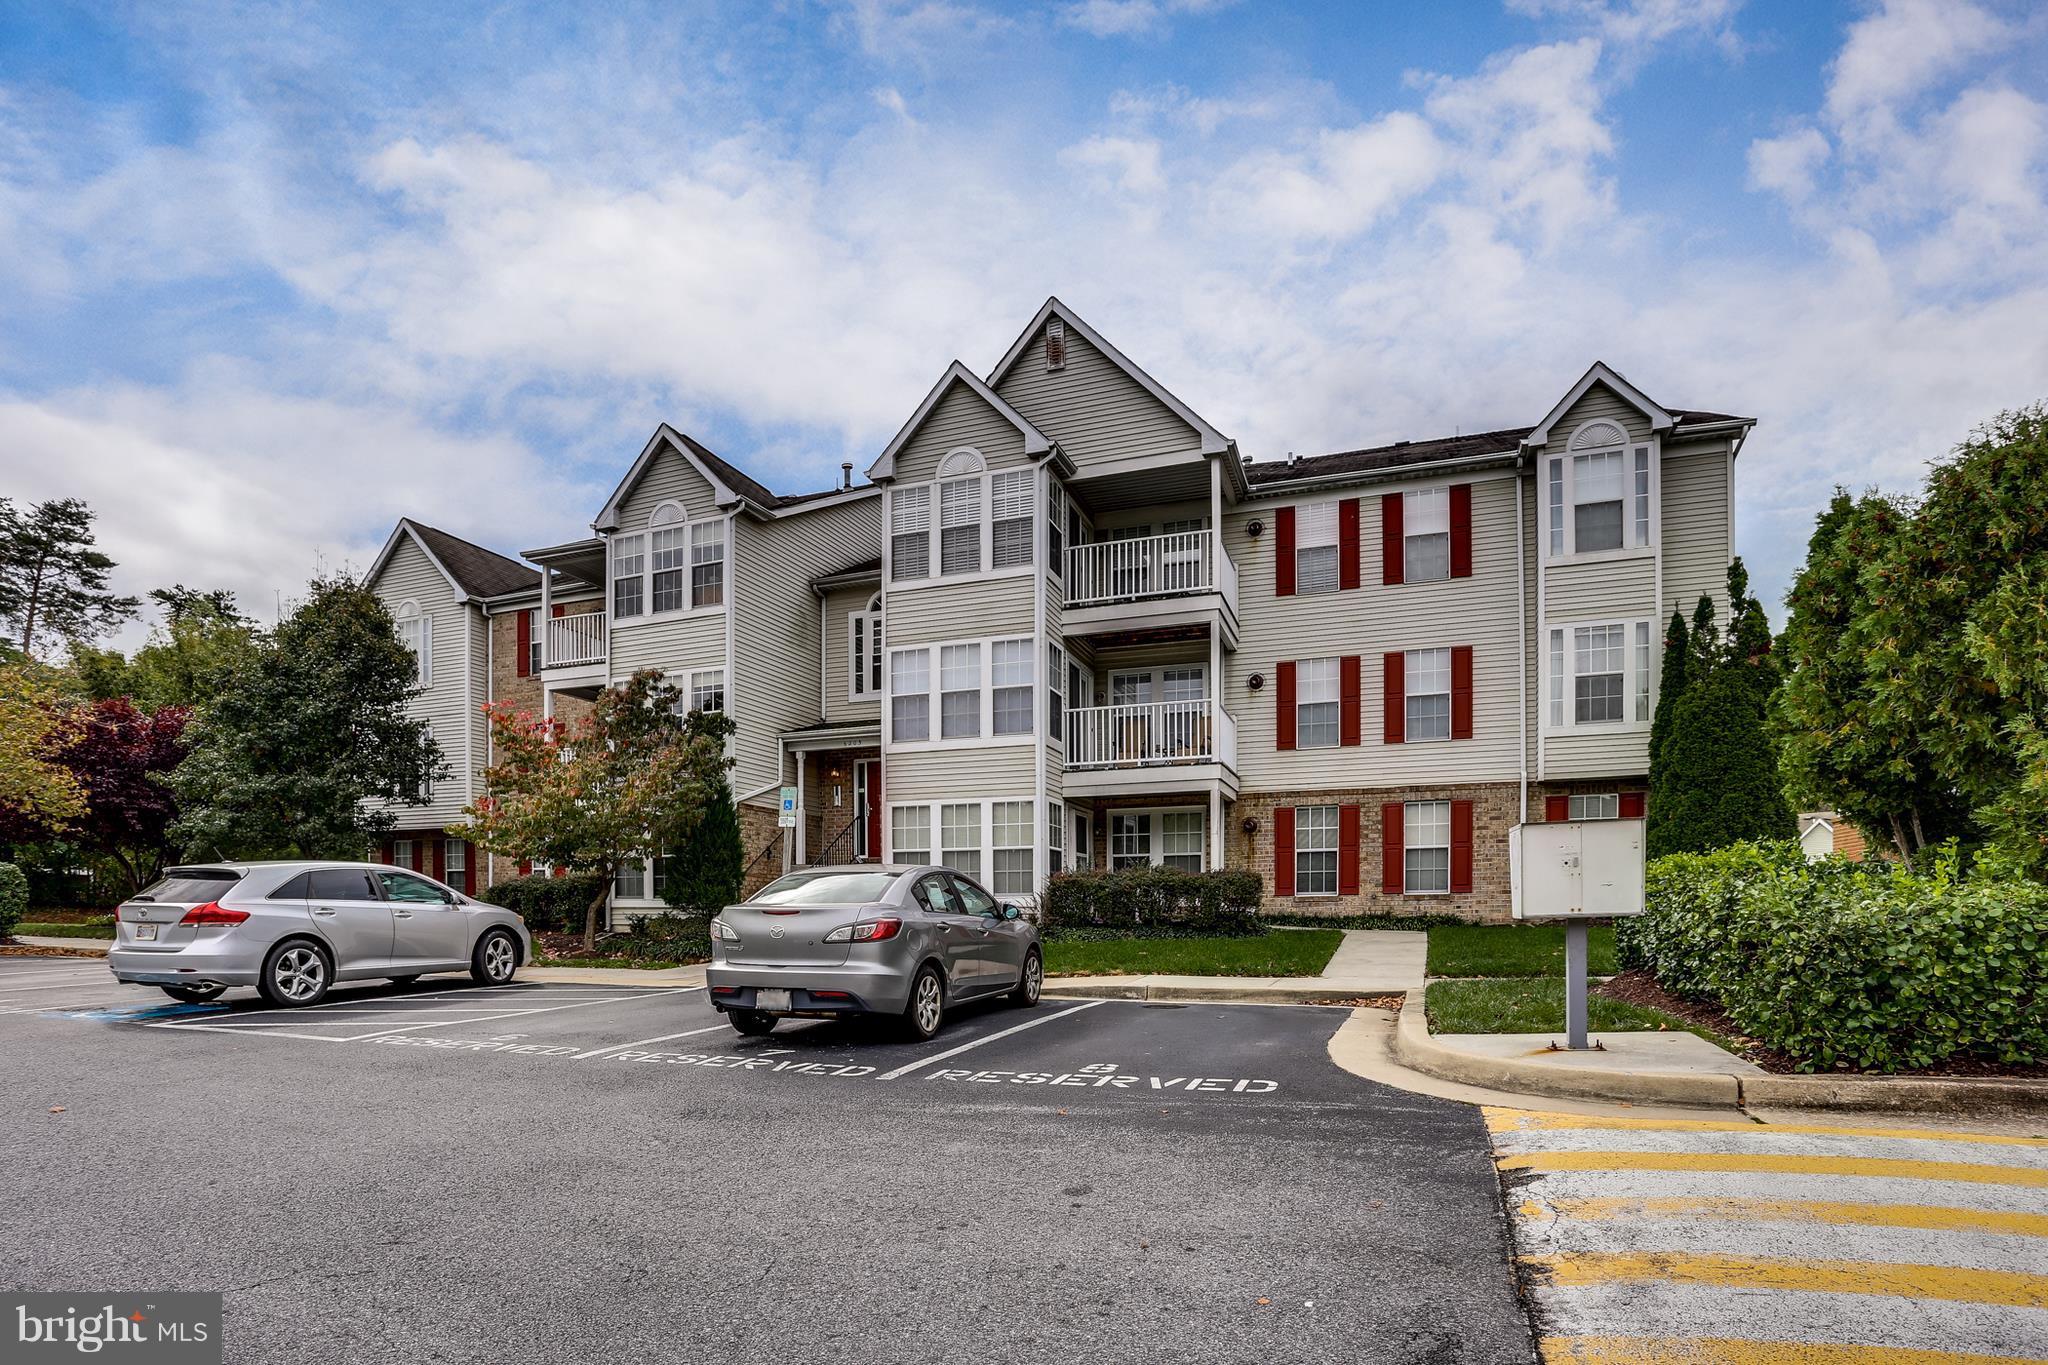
(471, 570)
(1214, 442)
(1373, 459)
(1602, 373)
(729, 483)
(1036, 443)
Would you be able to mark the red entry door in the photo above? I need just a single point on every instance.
(867, 795)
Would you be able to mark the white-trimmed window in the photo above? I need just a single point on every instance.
(1010, 507)
(707, 690)
(427, 778)
(960, 837)
(1056, 525)
(910, 532)
(1600, 674)
(1181, 839)
(1056, 835)
(629, 583)
(629, 880)
(1055, 692)
(1426, 847)
(668, 559)
(1084, 839)
(401, 853)
(1598, 500)
(455, 858)
(707, 564)
(416, 633)
(1173, 837)
(960, 526)
(960, 691)
(1597, 497)
(1642, 688)
(1010, 826)
(1315, 850)
(1315, 548)
(864, 650)
(910, 834)
(1427, 694)
(1130, 839)
(1426, 535)
(1010, 687)
(534, 639)
(1596, 806)
(910, 696)
(1317, 706)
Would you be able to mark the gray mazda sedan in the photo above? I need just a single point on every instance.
(877, 939)
(293, 929)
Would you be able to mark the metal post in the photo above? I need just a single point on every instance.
(1575, 933)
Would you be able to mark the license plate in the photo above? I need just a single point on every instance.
(145, 932)
(771, 1000)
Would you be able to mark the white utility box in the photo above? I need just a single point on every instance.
(1576, 869)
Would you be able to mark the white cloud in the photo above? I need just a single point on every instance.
(1785, 165)
(1344, 182)
(1904, 47)
(1132, 164)
(1126, 18)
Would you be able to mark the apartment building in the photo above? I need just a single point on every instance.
(1066, 623)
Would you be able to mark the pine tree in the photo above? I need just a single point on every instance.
(1670, 681)
(704, 873)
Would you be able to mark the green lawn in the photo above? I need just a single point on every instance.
(638, 964)
(1513, 950)
(1302, 952)
(103, 928)
(1509, 1005)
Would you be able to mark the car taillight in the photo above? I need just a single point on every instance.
(213, 913)
(867, 931)
(721, 930)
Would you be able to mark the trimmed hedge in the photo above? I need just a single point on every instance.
(1152, 902)
(550, 904)
(1851, 965)
(13, 898)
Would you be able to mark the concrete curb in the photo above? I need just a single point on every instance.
(1415, 1047)
(1084, 989)
(83, 947)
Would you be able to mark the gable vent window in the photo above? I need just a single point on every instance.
(1055, 344)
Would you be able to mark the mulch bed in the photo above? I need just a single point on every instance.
(35, 950)
(1370, 1002)
(1640, 988)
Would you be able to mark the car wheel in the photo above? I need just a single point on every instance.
(1031, 982)
(194, 995)
(404, 980)
(927, 1008)
(752, 1023)
(296, 973)
(495, 959)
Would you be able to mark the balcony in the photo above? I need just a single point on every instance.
(1150, 747)
(575, 641)
(1177, 579)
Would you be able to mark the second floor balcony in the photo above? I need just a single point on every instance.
(1150, 734)
(576, 641)
(1178, 578)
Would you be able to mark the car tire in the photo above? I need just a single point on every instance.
(495, 958)
(194, 995)
(751, 1023)
(1030, 981)
(924, 1014)
(296, 973)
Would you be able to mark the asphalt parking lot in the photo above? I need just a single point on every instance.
(555, 1172)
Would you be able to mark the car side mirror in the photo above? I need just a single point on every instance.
(1011, 912)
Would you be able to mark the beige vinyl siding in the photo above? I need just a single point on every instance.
(961, 417)
(840, 706)
(1601, 589)
(411, 576)
(1371, 621)
(674, 644)
(1598, 402)
(1596, 753)
(773, 681)
(1697, 536)
(960, 774)
(669, 477)
(938, 609)
(1096, 411)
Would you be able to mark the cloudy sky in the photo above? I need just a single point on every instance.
(274, 275)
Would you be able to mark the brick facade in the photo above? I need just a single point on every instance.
(523, 693)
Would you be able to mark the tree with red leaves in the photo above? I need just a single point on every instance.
(120, 756)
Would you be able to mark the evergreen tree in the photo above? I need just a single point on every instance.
(704, 872)
(1670, 681)
(53, 583)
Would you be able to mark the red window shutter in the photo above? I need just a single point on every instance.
(385, 854)
(1393, 834)
(1283, 552)
(1283, 850)
(1394, 697)
(558, 609)
(440, 860)
(1461, 692)
(1393, 560)
(1347, 850)
(1283, 707)
(1557, 809)
(525, 643)
(1632, 805)
(526, 867)
(1461, 846)
(1461, 530)
(1347, 543)
(1351, 699)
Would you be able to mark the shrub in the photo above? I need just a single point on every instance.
(13, 898)
(704, 875)
(1841, 964)
(550, 904)
(1152, 902)
(666, 936)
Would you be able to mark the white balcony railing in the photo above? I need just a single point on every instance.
(577, 639)
(1160, 732)
(1175, 565)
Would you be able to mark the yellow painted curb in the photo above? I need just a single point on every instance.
(1768, 1162)
(2004, 1288)
(1727, 1351)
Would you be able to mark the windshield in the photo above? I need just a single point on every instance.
(828, 888)
(190, 886)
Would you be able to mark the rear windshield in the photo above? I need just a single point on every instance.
(828, 888)
(190, 886)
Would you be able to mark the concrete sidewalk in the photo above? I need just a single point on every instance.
(1367, 962)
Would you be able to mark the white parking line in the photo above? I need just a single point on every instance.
(908, 1067)
(664, 1038)
(437, 1019)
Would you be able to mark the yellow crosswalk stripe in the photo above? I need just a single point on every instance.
(1728, 1351)
(1784, 1164)
(1531, 1121)
(1738, 1210)
(2005, 1288)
